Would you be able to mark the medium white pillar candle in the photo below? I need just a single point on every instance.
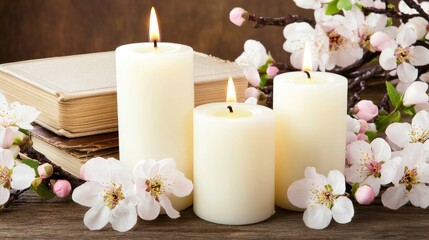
(233, 163)
(310, 126)
(155, 90)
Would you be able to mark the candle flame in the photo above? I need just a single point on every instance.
(307, 64)
(230, 95)
(153, 27)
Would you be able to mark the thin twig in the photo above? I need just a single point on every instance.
(261, 22)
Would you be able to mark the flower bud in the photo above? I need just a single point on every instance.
(364, 195)
(363, 126)
(362, 137)
(366, 110)
(45, 170)
(272, 71)
(62, 188)
(238, 16)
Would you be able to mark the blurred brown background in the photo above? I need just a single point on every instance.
(44, 28)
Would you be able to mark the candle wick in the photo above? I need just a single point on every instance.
(308, 75)
(155, 43)
(230, 109)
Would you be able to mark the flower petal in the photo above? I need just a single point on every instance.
(317, 216)
(419, 195)
(97, 217)
(395, 197)
(88, 194)
(252, 75)
(4, 195)
(298, 193)
(388, 59)
(311, 175)
(407, 72)
(357, 150)
(124, 217)
(142, 169)
(343, 210)
(337, 181)
(6, 159)
(419, 56)
(373, 182)
(106, 170)
(354, 174)
(388, 170)
(166, 204)
(381, 150)
(181, 186)
(22, 177)
(416, 94)
(406, 36)
(421, 119)
(398, 133)
(148, 208)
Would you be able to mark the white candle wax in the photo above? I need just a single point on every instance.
(155, 104)
(310, 126)
(233, 163)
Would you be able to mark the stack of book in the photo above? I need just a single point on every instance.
(77, 97)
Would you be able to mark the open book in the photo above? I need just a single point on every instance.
(77, 94)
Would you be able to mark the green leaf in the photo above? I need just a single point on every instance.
(394, 96)
(371, 135)
(383, 121)
(25, 131)
(389, 22)
(382, 112)
(43, 191)
(345, 4)
(332, 8)
(264, 79)
(390, 6)
(409, 110)
(355, 188)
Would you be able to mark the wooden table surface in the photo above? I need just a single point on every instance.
(33, 217)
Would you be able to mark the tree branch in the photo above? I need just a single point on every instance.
(261, 22)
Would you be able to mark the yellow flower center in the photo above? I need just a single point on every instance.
(5, 177)
(113, 195)
(402, 54)
(409, 178)
(156, 186)
(418, 134)
(324, 196)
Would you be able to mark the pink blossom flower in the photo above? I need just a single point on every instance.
(366, 110)
(371, 164)
(45, 170)
(416, 94)
(155, 182)
(322, 197)
(236, 16)
(381, 40)
(402, 134)
(272, 71)
(364, 195)
(15, 176)
(62, 188)
(410, 179)
(109, 192)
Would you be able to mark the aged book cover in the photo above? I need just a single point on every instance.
(77, 94)
(72, 153)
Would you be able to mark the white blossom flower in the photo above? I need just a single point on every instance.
(371, 3)
(252, 75)
(404, 57)
(353, 127)
(297, 35)
(109, 192)
(310, 4)
(8, 136)
(410, 179)
(15, 176)
(16, 114)
(155, 182)
(416, 94)
(402, 134)
(254, 54)
(371, 164)
(342, 31)
(322, 198)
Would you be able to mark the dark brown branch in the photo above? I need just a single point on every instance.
(14, 196)
(261, 22)
(367, 74)
(356, 96)
(367, 57)
(418, 8)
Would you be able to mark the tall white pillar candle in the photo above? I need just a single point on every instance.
(155, 92)
(310, 126)
(233, 163)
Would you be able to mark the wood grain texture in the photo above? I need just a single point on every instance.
(45, 28)
(32, 217)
